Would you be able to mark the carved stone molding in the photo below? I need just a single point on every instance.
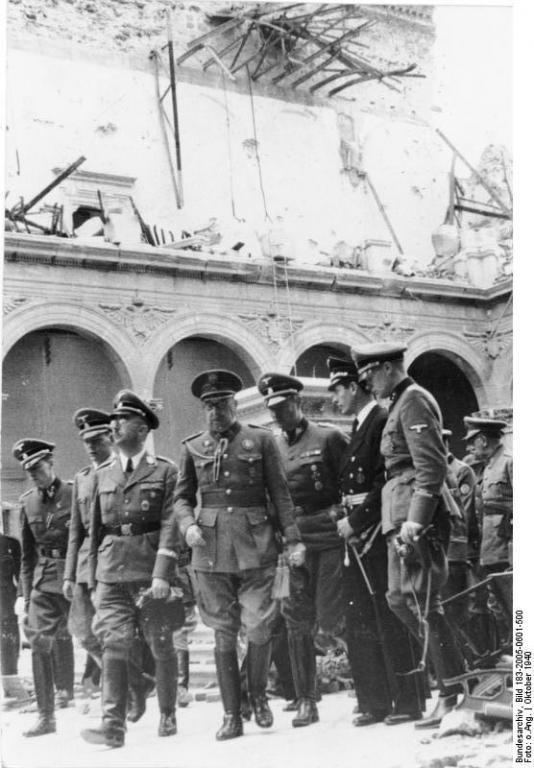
(490, 342)
(274, 329)
(140, 320)
(13, 302)
(386, 330)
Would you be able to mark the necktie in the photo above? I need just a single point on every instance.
(355, 426)
(129, 466)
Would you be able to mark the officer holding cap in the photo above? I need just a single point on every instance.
(415, 508)
(133, 548)
(378, 644)
(311, 456)
(45, 519)
(237, 471)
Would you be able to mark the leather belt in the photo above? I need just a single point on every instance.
(131, 529)
(235, 497)
(54, 554)
(495, 509)
(353, 499)
(302, 509)
(398, 469)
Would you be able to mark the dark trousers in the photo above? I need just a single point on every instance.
(81, 615)
(47, 615)
(377, 691)
(410, 607)
(9, 631)
(315, 602)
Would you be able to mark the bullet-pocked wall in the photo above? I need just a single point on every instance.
(47, 376)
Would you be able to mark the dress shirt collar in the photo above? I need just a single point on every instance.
(135, 459)
(364, 412)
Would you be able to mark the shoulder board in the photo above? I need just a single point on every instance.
(165, 459)
(107, 463)
(258, 426)
(26, 493)
(69, 482)
(85, 470)
(327, 425)
(192, 437)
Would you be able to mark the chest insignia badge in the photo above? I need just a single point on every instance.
(145, 505)
(248, 445)
(418, 428)
(360, 476)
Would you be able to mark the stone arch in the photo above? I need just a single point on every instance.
(312, 334)
(232, 333)
(456, 349)
(119, 346)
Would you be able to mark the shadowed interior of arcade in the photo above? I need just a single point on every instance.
(451, 388)
(47, 376)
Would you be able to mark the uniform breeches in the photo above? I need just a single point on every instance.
(315, 601)
(81, 615)
(227, 601)
(181, 636)
(47, 615)
(117, 621)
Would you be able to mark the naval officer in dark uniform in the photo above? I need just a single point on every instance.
(45, 520)
(416, 509)
(311, 455)
(133, 548)
(243, 500)
(378, 644)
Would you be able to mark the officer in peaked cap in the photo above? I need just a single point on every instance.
(237, 470)
(44, 535)
(311, 455)
(94, 429)
(134, 532)
(378, 644)
(484, 441)
(415, 505)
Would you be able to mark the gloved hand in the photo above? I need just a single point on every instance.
(296, 554)
(409, 531)
(193, 536)
(68, 589)
(344, 528)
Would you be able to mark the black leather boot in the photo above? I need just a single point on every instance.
(258, 663)
(282, 662)
(114, 696)
(43, 678)
(136, 690)
(230, 687)
(63, 668)
(444, 705)
(166, 677)
(246, 707)
(302, 653)
(183, 696)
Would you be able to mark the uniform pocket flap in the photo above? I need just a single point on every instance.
(314, 458)
(256, 515)
(107, 485)
(250, 458)
(208, 517)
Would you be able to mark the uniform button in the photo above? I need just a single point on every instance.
(351, 475)
(229, 509)
(228, 491)
(227, 474)
(225, 455)
(251, 461)
(314, 467)
(353, 458)
(126, 501)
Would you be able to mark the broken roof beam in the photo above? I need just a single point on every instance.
(370, 77)
(320, 67)
(222, 52)
(331, 78)
(263, 53)
(25, 207)
(242, 44)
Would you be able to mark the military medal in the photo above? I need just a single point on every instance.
(145, 505)
(247, 444)
(360, 477)
(318, 486)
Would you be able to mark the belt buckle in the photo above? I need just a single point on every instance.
(126, 529)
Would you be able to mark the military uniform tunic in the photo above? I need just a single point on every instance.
(497, 504)
(133, 539)
(9, 628)
(415, 460)
(243, 501)
(45, 521)
(81, 612)
(311, 459)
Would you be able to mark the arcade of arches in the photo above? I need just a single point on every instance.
(101, 330)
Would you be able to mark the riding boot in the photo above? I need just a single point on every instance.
(246, 707)
(258, 663)
(43, 678)
(166, 677)
(63, 668)
(114, 699)
(302, 653)
(445, 656)
(230, 687)
(136, 689)
(282, 662)
(183, 696)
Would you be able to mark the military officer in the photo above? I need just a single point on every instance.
(415, 509)
(45, 519)
(378, 644)
(464, 542)
(484, 441)
(236, 469)
(134, 534)
(311, 455)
